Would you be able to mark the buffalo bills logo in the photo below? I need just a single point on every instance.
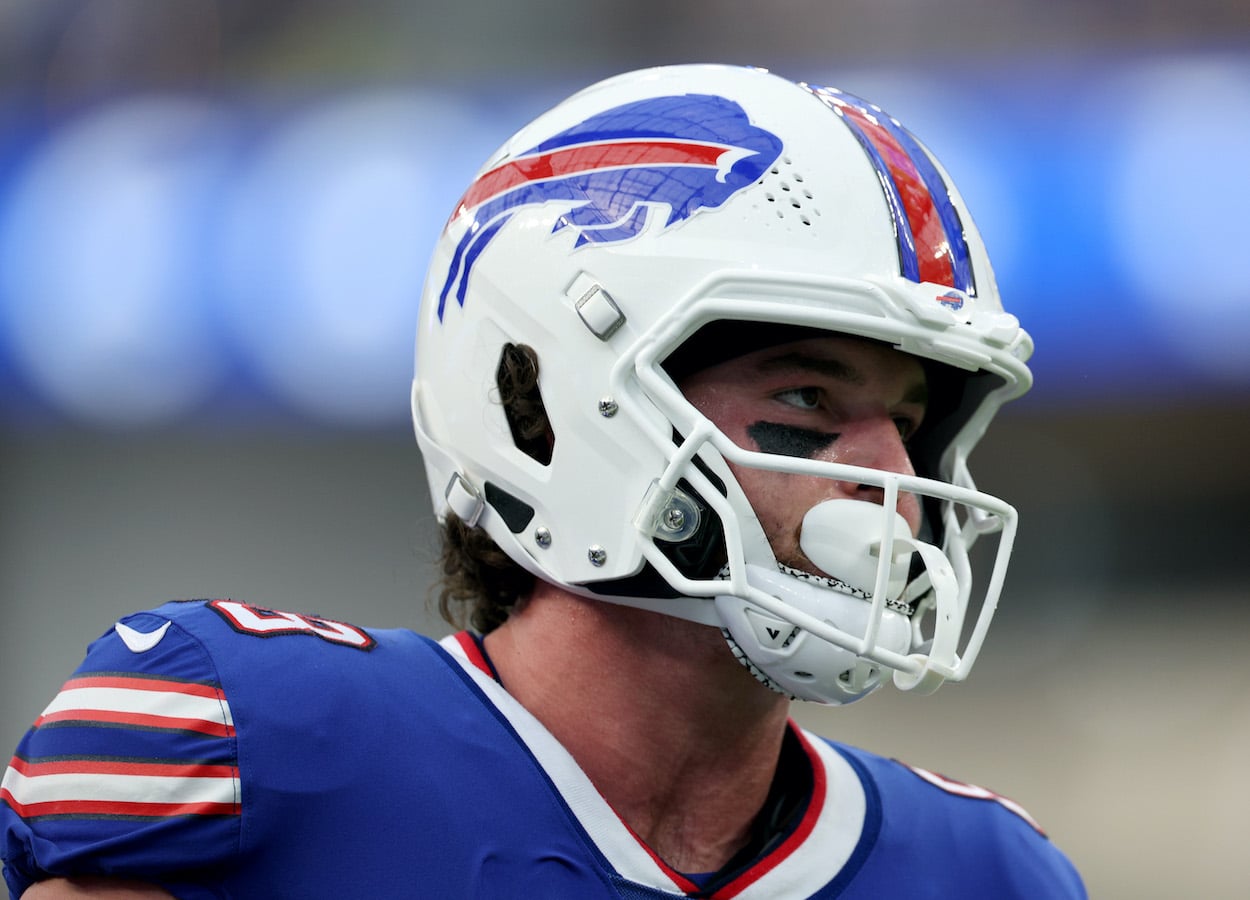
(612, 172)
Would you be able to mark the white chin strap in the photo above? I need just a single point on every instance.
(828, 639)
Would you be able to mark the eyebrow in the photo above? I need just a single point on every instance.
(835, 369)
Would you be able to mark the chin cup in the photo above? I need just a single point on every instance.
(844, 538)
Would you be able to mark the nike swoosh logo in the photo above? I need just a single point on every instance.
(140, 641)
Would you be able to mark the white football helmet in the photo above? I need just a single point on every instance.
(608, 232)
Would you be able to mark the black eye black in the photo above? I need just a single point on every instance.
(789, 440)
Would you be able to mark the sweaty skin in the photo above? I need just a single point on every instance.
(789, 440)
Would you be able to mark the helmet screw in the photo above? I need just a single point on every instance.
(607, 407)
(542, 536)
(597, 555)
(674, 519)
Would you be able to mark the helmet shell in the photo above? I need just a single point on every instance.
(610, 229)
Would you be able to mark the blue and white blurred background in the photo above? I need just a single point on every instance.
(215, 217)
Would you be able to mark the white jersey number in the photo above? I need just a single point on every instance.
(263, 622)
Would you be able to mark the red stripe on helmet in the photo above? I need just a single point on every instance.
(933, 250)
(588, 158)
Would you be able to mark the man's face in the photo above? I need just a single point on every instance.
(830, 398)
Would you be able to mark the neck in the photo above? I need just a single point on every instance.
(673, 732)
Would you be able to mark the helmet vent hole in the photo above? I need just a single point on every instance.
(523, 407)
(783, 183)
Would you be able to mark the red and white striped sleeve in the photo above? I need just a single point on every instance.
(132, 769)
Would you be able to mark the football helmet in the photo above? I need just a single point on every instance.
(665, 208)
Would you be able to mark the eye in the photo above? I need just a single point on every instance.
(906, 427)
(800, 398)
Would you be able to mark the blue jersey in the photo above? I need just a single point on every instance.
(223, 750)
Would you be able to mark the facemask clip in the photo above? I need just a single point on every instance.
(669, 515)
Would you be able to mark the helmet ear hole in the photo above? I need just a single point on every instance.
(517, 380)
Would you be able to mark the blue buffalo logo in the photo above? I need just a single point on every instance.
(611, 173)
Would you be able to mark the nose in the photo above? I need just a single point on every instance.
(875, 443)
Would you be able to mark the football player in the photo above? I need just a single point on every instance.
(701, 357)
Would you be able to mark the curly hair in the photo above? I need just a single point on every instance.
(479, 583)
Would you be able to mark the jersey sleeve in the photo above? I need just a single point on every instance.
(131, 770)
(993, 847)
(933, 836)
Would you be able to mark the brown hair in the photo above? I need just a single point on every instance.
(479, 583)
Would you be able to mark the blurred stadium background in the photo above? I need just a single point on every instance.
(215, 215)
